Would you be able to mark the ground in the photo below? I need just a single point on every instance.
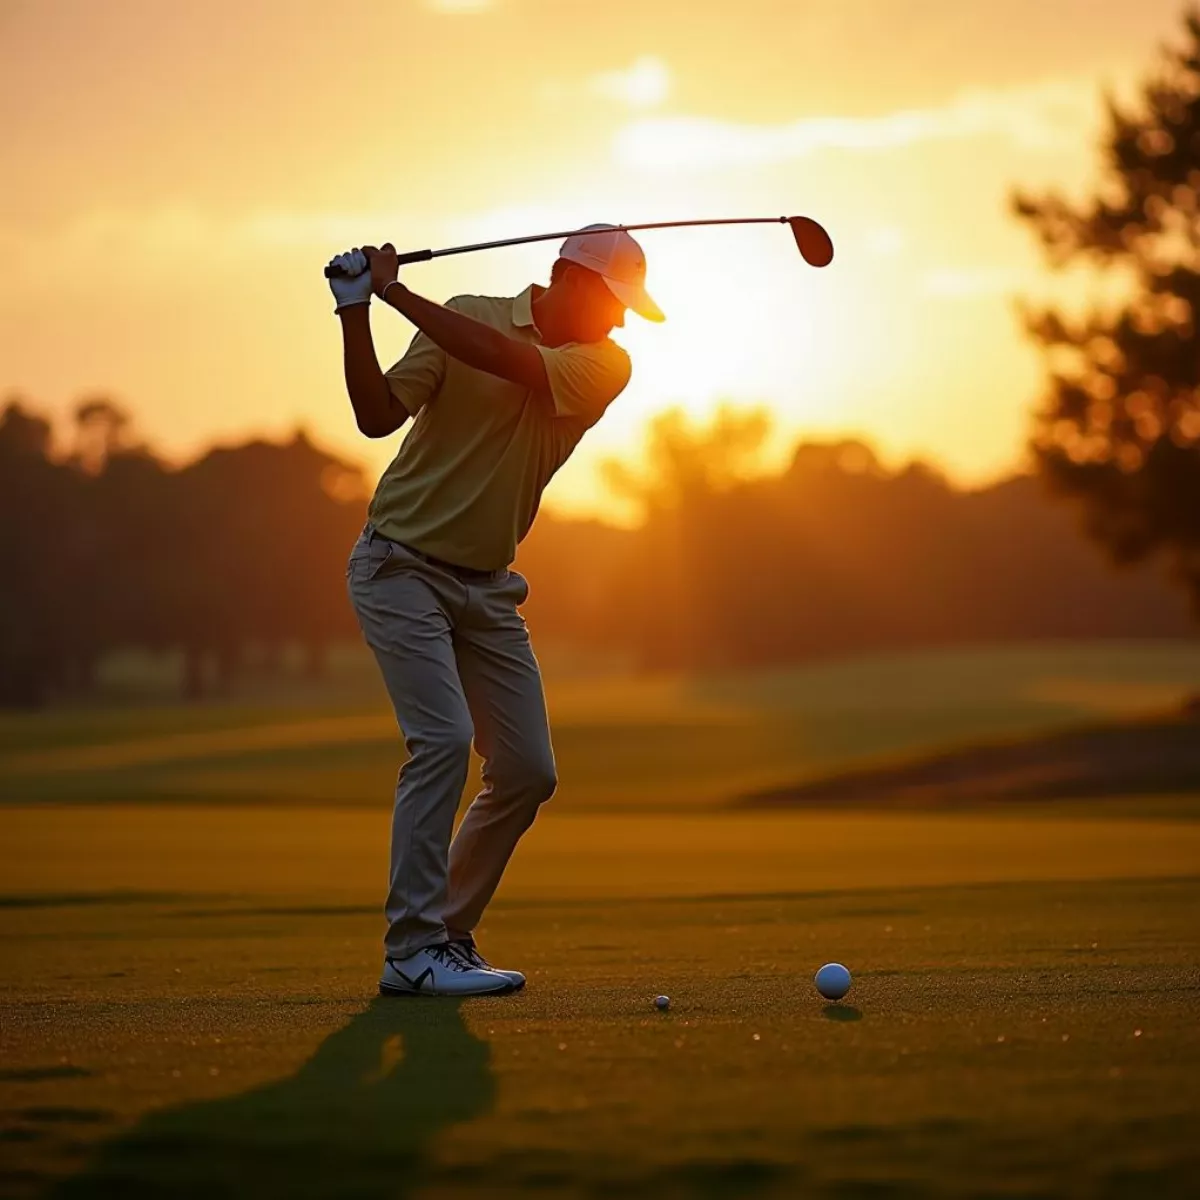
(666, 742)
(186, 1005)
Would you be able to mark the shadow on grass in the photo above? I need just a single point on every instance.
(356, 1120)
(41, 1074)
(841, 1012)
(89, 899)
(1138, 757)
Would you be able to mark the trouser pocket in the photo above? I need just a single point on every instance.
(370, 555)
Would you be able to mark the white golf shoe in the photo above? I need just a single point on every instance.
(470, 952)
(440, 971)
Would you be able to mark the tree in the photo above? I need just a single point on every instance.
(258, 556)
(686, 460)
(38, 500)
(1120, 428)
(102, 430)
(107, 548)
(690, 469)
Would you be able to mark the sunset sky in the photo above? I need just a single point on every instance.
(176, 175)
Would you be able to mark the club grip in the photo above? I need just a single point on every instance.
(412, 256)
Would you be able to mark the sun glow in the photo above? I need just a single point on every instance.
(746, 320)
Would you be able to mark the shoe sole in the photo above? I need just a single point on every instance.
(395, 993)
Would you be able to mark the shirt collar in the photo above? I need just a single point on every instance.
(522, 314)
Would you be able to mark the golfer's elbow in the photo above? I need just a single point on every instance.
(372, 429)
(376, 413)
(378, 427)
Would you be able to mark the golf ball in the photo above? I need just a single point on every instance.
(662, 1002)
(833, 981)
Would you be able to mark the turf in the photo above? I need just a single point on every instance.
(1025, 1018)
(664, 743)
(189, 926)
(1140, 757)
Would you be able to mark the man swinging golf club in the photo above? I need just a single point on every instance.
(499, 390)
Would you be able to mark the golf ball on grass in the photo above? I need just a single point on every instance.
(833, 981)
(662, 1003)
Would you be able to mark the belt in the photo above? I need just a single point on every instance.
(453, 568)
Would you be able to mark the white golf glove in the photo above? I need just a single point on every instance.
(353, 284)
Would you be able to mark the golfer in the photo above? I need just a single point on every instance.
(499, 391)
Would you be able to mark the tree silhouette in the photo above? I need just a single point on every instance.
(102, 430)
(1120, 428)
(690, 471)
(239, 556)
(36, 500)
(258, 553)
(108, 548)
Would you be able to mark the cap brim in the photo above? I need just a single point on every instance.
(636, 298)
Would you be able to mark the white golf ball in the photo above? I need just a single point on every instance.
(833, 981)
(662, 1002)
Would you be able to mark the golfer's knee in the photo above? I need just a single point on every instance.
(533, 778)
(449, 744)
(543, 781)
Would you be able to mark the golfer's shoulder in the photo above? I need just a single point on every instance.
(608, 356)
(480, 307)
(598, 370)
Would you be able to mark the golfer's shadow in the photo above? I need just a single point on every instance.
(357, 1119)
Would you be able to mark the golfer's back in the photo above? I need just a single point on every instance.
(468, 478)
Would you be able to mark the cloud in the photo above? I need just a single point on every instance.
(645, 83)
(1039, 117)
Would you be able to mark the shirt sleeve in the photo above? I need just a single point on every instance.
(585, 379)
(417, 377)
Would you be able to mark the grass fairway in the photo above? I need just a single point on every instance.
(189, 919)
(630, 744)
(187, 1011)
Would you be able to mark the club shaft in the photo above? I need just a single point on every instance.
(566, 233)
(414, 256)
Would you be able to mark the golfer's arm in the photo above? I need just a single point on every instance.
(472, 342)
(376, 410)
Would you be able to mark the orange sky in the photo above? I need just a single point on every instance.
(176, 175)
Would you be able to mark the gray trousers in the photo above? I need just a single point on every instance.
(457, 663)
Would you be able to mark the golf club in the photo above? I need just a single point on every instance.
(814, 244)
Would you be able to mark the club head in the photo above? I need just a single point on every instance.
(815, 245)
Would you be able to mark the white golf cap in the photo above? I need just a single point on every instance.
(619, 260)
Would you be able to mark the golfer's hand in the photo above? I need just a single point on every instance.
(384, 267)
(353, 283)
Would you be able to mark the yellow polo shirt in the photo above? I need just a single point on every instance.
(466, 483)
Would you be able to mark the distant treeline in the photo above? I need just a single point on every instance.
(835, 555)
(107, 547)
